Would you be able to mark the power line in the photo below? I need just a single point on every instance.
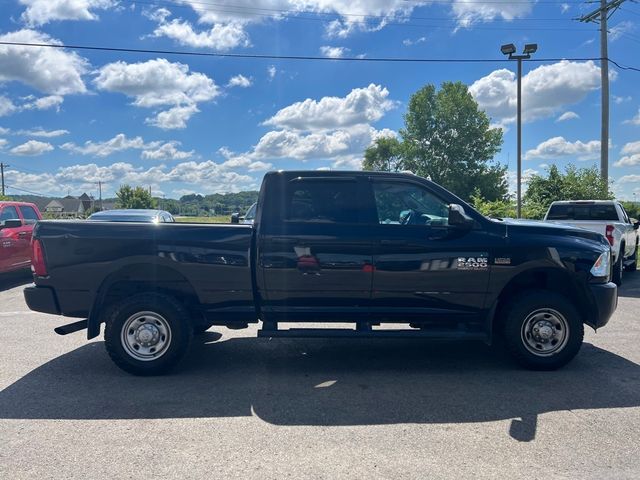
(290, 57)
(25, 191)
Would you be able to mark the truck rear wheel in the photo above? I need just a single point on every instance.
(618, 267)
(542, 330)
(632, 267)
(148, 333)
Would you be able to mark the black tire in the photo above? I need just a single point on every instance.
(150, 308)
(539, 308)
(632, 267)
(616, 275)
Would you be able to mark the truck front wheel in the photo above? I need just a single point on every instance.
(543, 330)
(148, 333)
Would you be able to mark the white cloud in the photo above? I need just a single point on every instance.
(407, 42)
(630, 148)
(360, 106)
(271, 71)
(44, 103)
(167, 151)
(6, 106)
(49, 70)
(635, 120)
(174, 118)
(221, 37)
(559, 147)
(204, 176)
(239, 81)
(333, 52)
(160, 83)
(467, 12)
(32, 148)
(259, 166)
(39, 132)
(629, 179)
(3, 143)
(39, 12)
(564, 7)
(631, 152)
(545, 90)
(118, 143)
(620, 30)
(618, 100)
(567, 116)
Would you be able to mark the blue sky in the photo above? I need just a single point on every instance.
(184, 124)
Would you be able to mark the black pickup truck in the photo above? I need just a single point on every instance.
(395, 255)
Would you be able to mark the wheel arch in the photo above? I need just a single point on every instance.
(552, 279)
(139, 278)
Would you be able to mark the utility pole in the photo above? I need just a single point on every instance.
(2, 167)
(100, 193)
(601, 15)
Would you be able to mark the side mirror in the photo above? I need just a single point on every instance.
(636, 225)
(235, 218)
(12, 223)
(458, 217)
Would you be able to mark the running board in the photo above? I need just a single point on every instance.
(71, 327)
(351, 333)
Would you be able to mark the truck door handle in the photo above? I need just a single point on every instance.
(394, 243)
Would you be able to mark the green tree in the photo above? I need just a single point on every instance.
(3, 198)
(448, 139)
(574, 184)
(136, 197)
(500, 208)
(633, 209)
(384, 155)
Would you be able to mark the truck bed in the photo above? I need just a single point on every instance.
(90, 255)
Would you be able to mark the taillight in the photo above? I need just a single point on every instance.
(609, 234)
(38, 265)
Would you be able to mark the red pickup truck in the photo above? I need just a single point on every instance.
(16, 227)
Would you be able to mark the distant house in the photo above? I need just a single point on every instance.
(70, 207)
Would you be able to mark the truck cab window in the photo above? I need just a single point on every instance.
(327, 201)
(29, 214)
(408, 204)
(8, 213)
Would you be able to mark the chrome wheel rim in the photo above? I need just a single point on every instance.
(146, 336)
(545, 332)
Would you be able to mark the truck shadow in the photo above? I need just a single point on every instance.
(15, 279)
(320, 382)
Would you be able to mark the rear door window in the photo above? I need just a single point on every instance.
(321, 201)
(583, 212)
(29, 214)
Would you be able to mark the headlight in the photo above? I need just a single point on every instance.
(601, 267)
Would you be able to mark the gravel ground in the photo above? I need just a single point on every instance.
(241, 407)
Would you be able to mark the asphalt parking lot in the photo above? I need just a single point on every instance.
(242, 407)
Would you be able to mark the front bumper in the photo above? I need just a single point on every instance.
(605, 296)
(42, 299)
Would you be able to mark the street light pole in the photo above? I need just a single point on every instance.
(519, 194)
(510, 50)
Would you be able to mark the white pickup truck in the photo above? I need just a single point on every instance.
(608, 218)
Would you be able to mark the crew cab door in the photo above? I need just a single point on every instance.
(424, 269)
(14, 242)
(314, 256)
